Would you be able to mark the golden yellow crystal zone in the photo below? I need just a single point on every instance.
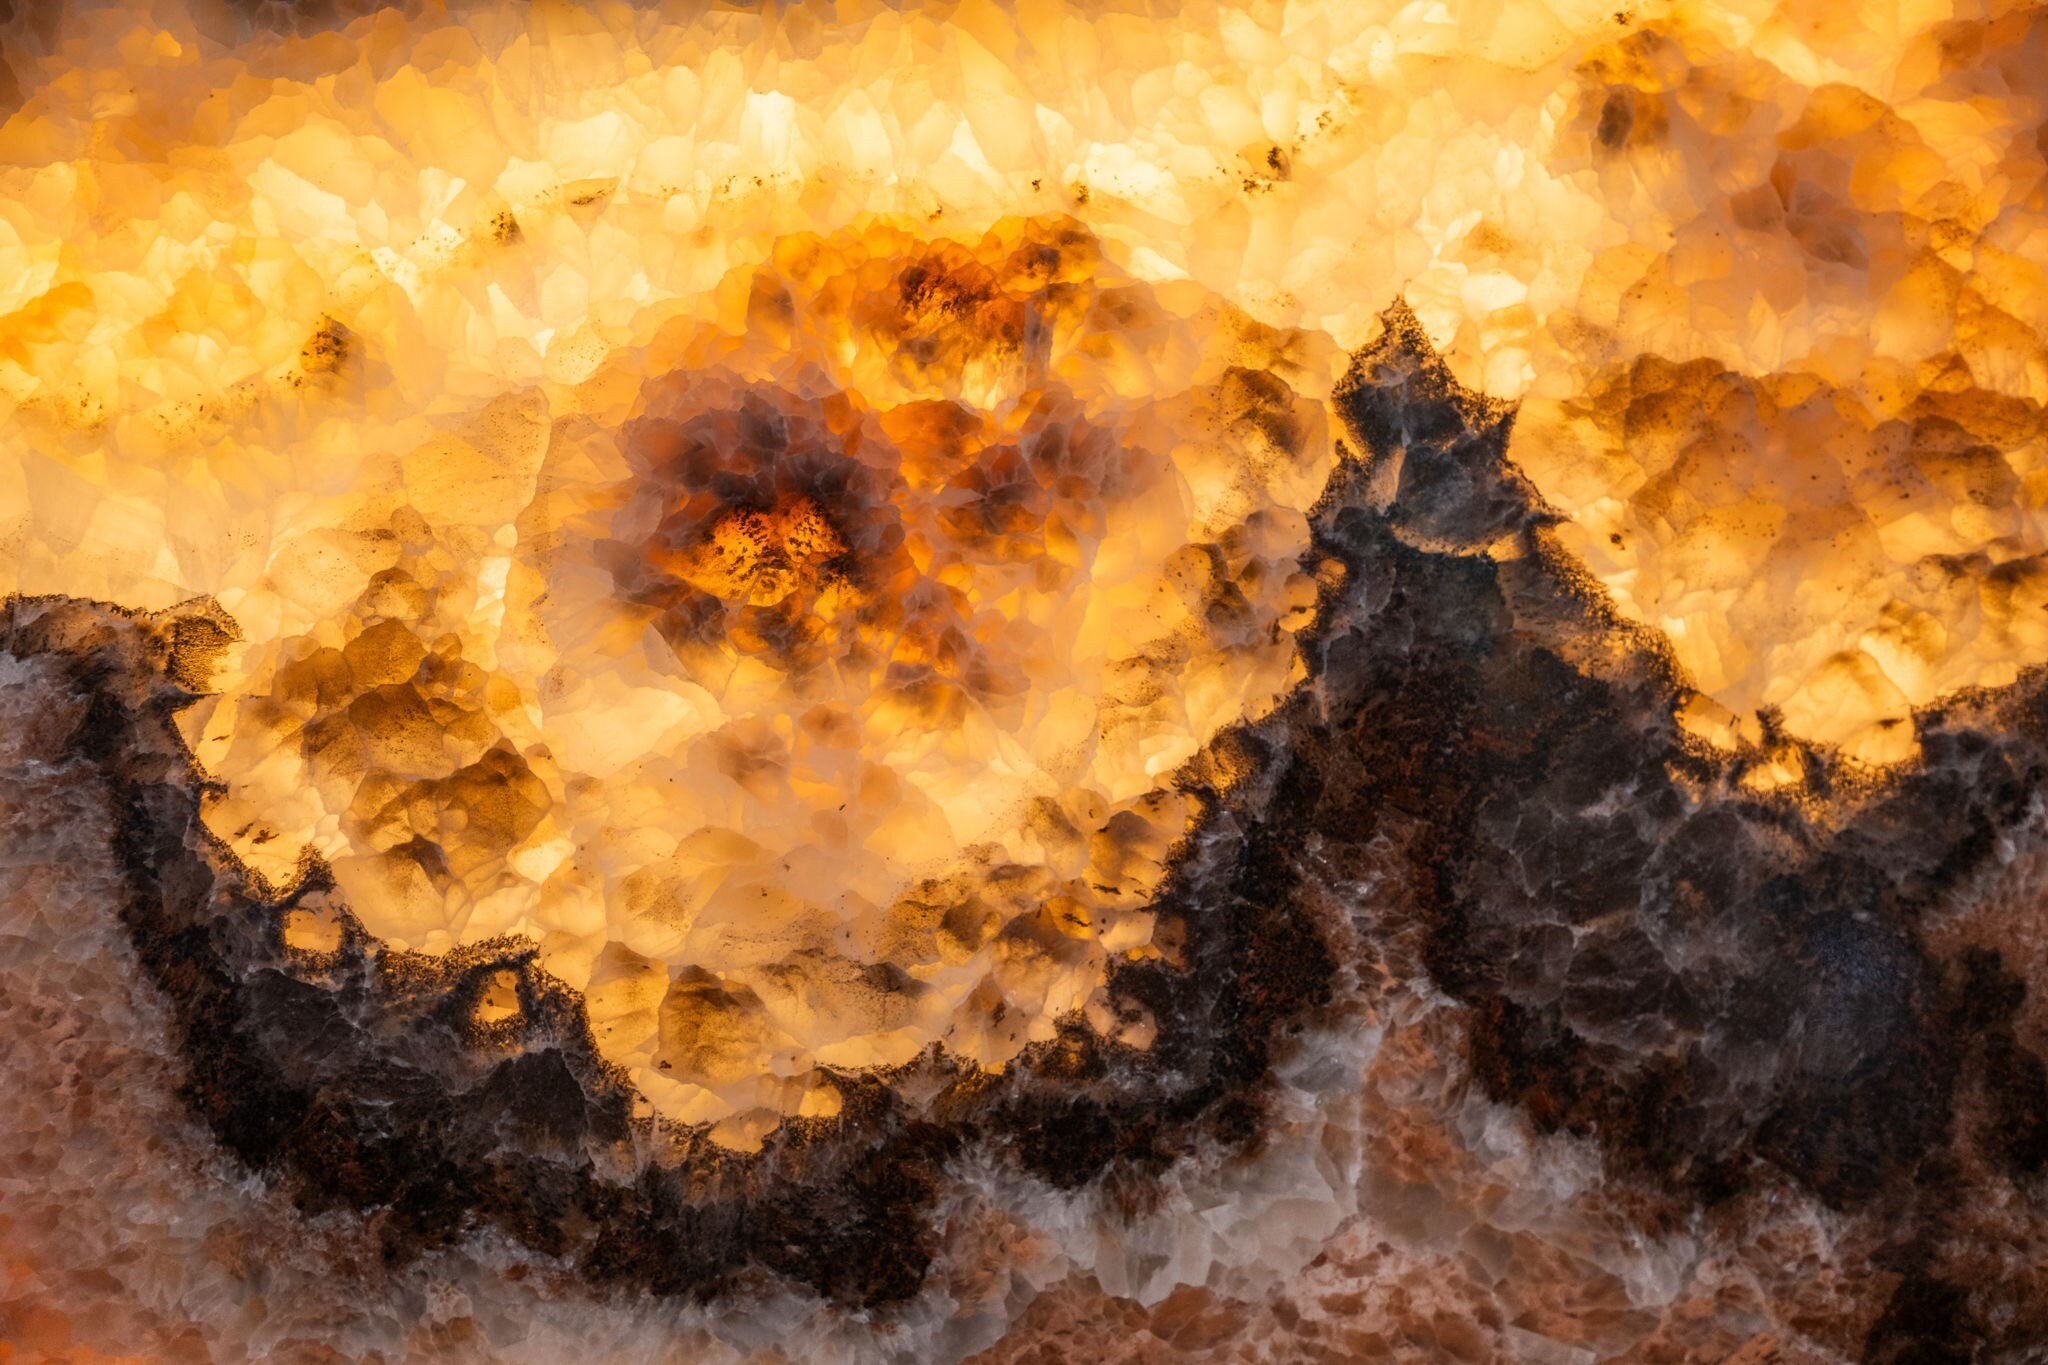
(498, 196)
(813, 693)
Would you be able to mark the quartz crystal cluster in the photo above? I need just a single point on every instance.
(864, 680)
(810, 687)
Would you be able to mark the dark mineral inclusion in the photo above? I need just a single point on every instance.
(1718, 987)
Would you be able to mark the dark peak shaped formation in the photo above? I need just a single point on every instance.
(1436, 451)
(1484, 777)
(1725, 987)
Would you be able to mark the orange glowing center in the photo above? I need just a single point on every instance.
(760, 558)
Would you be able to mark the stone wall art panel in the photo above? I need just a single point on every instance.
(1024, 681)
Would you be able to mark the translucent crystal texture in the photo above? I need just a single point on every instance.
(809, 688)
(1023, 680)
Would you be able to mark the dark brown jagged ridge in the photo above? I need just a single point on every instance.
(358, 1076)
(1724, 989)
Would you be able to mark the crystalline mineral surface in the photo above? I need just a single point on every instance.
(1031, 681)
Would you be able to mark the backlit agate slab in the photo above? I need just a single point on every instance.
(1023, 681)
